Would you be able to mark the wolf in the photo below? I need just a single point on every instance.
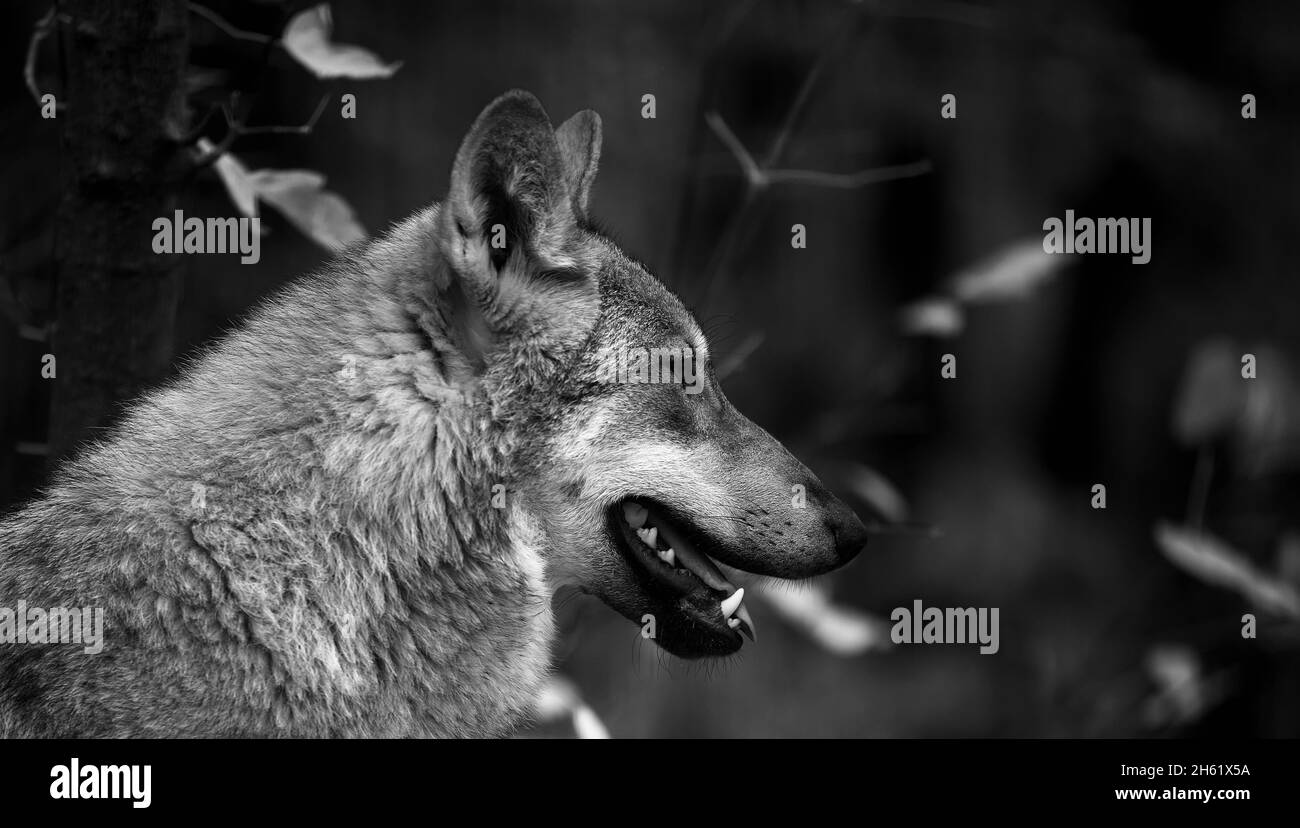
(348, 518)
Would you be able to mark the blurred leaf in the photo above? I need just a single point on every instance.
(558, 698)
(1183, 693)
(1268, 432)
(319, 213)
(588, 725)
(236, 178)
(936, 316)
(877, 492)
(323, 216)
(1214, 562)
(307, 38)
(842, 630)
(555, 698)
(1012, 273)
(198, 78)
(1260, 414)
(1211, 395)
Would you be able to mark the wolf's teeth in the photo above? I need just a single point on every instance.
(650, 536)
(730, 603)
(695, 562)
(742, 614)
(733, 622)
(668, 556)
(635, 514)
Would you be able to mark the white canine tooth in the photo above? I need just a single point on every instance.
(730, 603)
(742, 614)
(668, 556)
(644, 535)
(733, 622)
(651, 537)
(635, 514)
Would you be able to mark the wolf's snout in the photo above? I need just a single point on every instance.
(789, 525)
(848, 532)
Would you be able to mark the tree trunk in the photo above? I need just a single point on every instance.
(123, 166)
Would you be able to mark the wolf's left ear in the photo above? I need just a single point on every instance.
(509, 230)
(509, 191)
(579, 139)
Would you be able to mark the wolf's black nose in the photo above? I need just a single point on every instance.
(847, 529)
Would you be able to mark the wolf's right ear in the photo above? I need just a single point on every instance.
(509, 192)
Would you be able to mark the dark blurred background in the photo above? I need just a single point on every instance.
(1073, 371)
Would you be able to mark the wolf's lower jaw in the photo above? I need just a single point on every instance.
(674, 563)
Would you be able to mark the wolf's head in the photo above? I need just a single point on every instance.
(646, 484)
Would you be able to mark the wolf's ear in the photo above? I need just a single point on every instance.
(509, 190)
(579, 139)
(509, 234)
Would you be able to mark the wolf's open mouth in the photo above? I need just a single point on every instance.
(664, 551)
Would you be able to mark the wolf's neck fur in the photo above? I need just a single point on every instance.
(313, 504)
(351, 377)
